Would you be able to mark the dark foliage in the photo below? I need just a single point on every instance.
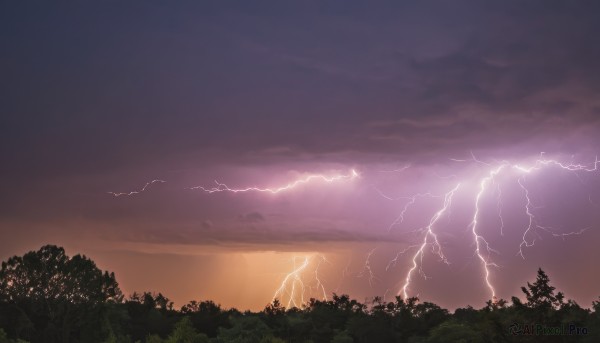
(45, 296)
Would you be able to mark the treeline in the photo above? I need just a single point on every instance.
(46, 296)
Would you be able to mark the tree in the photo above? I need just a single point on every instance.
(206, 316)
(184, 332)
(593, 321)
(542, 305)
(147, 317)
(153, 339)
(3, 337)
(342, 337)
(54, 293)
(274, 309)
(452, 331)
(246, 329)
(496, 304)
(541, 295)
(50, 274)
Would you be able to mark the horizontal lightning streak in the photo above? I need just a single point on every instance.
(221, 187)
(148, 184)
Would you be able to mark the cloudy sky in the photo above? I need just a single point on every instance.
(416, 97)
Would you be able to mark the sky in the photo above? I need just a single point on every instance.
(416, 97)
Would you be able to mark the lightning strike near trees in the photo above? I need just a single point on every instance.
(294, 286)
(480, 240)
(532, 222)
(483, 250)
(435, 244)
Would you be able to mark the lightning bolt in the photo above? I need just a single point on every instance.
(499, 208)
(435, 244)
(221, 187)
(294, 287)
(411, 201)
(367, 268)
(532, 225)
(148, 184)
(569, 167)
(288, 285)
(480, 240)
(532, 222)
(398, 170)
(318, 280)
(394, 261)
(305, 279)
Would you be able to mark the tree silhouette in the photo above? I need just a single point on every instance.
(455, 332)
(45, 296)
(274, 309)
(184, 332)
(541, 295)
(50, 274)
(245, 329)
(53, 293)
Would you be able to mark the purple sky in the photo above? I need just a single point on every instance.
(106, 97)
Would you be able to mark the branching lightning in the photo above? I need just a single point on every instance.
(304, 278)
(221, 187)
(393, 261)
(367, 271)
(411, 201)
(435, 244)
(532, 224)
(483, 249)
(527, 241)
(294, 286)
(288, 285)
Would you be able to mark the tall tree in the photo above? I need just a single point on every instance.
(541, 295)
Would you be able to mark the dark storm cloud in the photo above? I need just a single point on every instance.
(89, 93)
(84, 96)
(109, 97)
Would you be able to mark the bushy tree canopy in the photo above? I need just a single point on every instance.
(49, 274)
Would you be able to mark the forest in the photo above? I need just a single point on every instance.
(47, 296)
